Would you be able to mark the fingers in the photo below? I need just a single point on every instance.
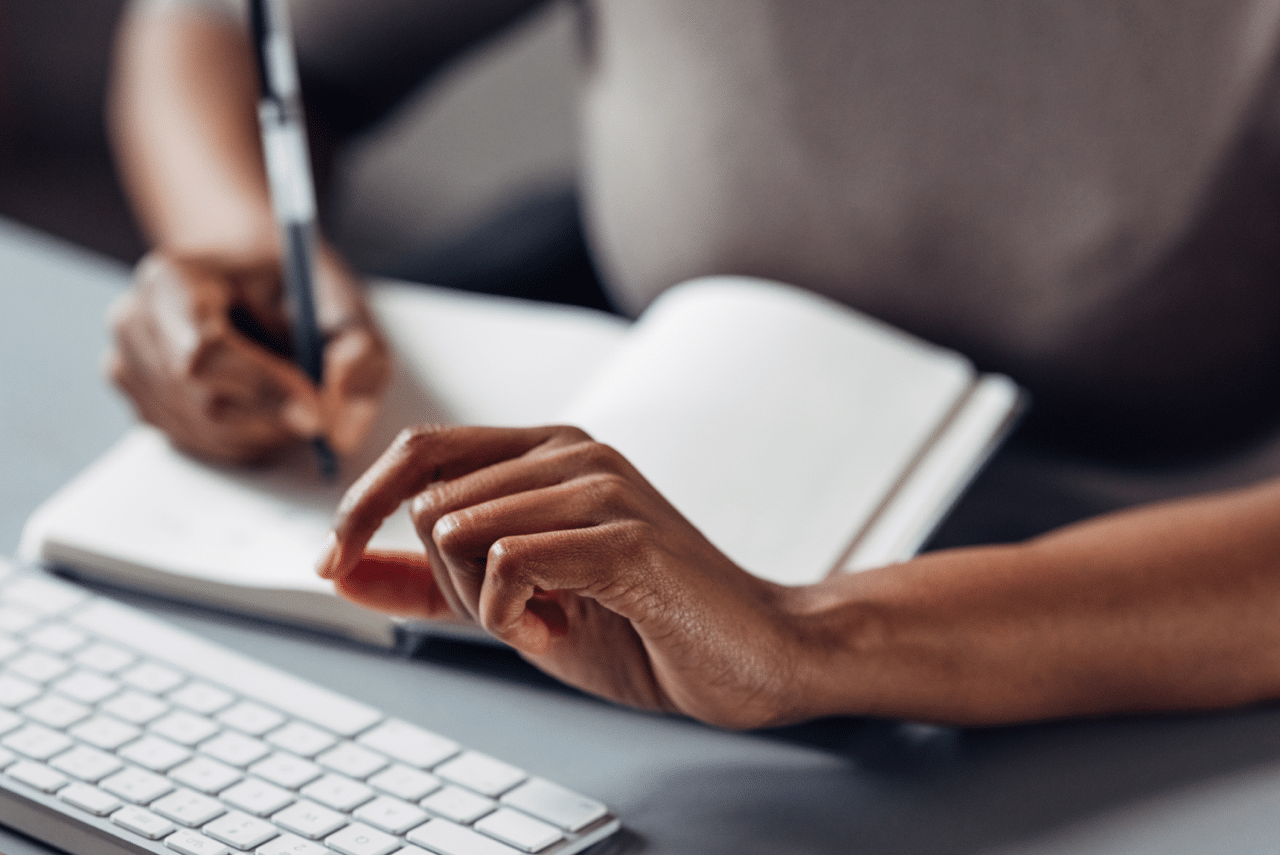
(419, 457)
(397, 583)
(218, 389)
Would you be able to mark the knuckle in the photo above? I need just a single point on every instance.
(449, 532)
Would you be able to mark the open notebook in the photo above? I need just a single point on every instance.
(801, 437)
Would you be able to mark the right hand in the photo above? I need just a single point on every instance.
(182, 354)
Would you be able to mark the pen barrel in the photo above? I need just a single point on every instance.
(299, 273)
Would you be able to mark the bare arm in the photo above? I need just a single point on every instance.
(557, 546)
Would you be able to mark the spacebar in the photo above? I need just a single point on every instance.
(254, 679)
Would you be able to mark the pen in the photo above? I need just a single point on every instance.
(284, 147)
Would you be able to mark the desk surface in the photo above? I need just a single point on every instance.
(1161, 785)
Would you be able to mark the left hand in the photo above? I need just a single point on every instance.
(559, 547)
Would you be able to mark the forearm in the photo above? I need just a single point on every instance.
(184, 124)
(1170, 607)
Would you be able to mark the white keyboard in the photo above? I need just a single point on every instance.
(121, 734)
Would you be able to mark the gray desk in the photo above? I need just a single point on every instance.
(1168, 785)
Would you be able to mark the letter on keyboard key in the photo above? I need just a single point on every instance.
(241, 831)
(154, 753)
(351, 759)
(521, 831)
(391, 815)
(189, 808)
(105, 732)
(291, 844)
(440, 835)
(36, 742)
(257, 797)
(338, 792)
(480, 773)
(85, 763)
(360, 839)
(193, 843)
(142, 821)
(36, 775)
(309, 819)
(458, 804)
(206, 774)
(235, 748)
(555, 804)
(57, 712)
(409, 744)
(301, 738)
(286, 770)
(403, 782)
(137, 785)
(92, 799)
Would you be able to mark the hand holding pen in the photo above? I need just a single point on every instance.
(202, 339)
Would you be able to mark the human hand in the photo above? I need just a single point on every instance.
(559, 547)
(201, 349)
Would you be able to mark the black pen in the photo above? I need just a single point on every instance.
(293, 198)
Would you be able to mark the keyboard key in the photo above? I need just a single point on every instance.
(205, 774)
(36, 775)
(286, 770)
(338, 792)
(257, 797)
(251, 718)
(458, 804)
(105, 732)
(36, 742)
(481, 773)
(391, 815)
(409, 744)
(189, 842)
(444, 837)
(89, 798)
(57, 638)
(85, 763)
(8, 647)
(15, 619)
(184, 728)
(9, 721)
(135, 707)
(555, 804)
(362, 840)
(309, 820)
(405, 783)
(291, 844)
(301, 739)
(142, 821)
(154, 753)
(15, 691)
(241, 831)
(7, 757)
(43, 596)
(235, 748)
(521, 831)
(38, 666)
(201, 698)
(136, 785)
(152, 677)
(55, 711)
(189, 808)
(106, 658)
(350, 759)
(87, 686)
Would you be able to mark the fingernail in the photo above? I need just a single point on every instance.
(327, 566)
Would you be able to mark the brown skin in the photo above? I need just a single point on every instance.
(184, 126)
(556, 545)
(559, 547)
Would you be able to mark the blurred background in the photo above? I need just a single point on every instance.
(497, 127)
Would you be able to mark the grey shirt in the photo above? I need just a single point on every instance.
(1083, 194)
